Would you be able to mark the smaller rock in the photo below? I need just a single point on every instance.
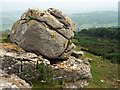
(9, 67)
(102, 81)
(118, 80)
(77, 54)
(85, 60)
(90, 60)
(43, 81)
(77, 84)
(14, 86)
(73, 68)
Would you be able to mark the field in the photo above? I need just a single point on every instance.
(102, 70)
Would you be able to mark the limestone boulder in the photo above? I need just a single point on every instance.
(47, 33)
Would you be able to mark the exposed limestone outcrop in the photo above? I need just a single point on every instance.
(71, 70)
(47, 33)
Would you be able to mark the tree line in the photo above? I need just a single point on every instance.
(111, 33)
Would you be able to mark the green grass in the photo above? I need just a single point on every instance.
(38, 84)
(102, 69)
(4, 37)
(46, 74)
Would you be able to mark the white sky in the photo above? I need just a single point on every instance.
(69, 6)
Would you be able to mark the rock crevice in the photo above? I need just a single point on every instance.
(49, 26)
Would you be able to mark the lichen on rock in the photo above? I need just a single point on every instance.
(44, 30)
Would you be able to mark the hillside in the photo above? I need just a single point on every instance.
(105, 74)
(95, 19)
(101, 42)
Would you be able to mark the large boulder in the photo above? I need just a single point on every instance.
(47, 33)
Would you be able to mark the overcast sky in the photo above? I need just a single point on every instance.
(69, 6)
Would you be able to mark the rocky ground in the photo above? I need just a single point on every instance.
(16, 62)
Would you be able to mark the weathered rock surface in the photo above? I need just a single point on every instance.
(11, 81)
(77, 54)
(18, 63)
(47, 33)
(71, 70)
(78, 84)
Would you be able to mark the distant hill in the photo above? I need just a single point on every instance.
(96, 19)
(83, 20)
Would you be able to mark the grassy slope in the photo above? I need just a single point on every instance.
(102, 69)
(38, 84)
